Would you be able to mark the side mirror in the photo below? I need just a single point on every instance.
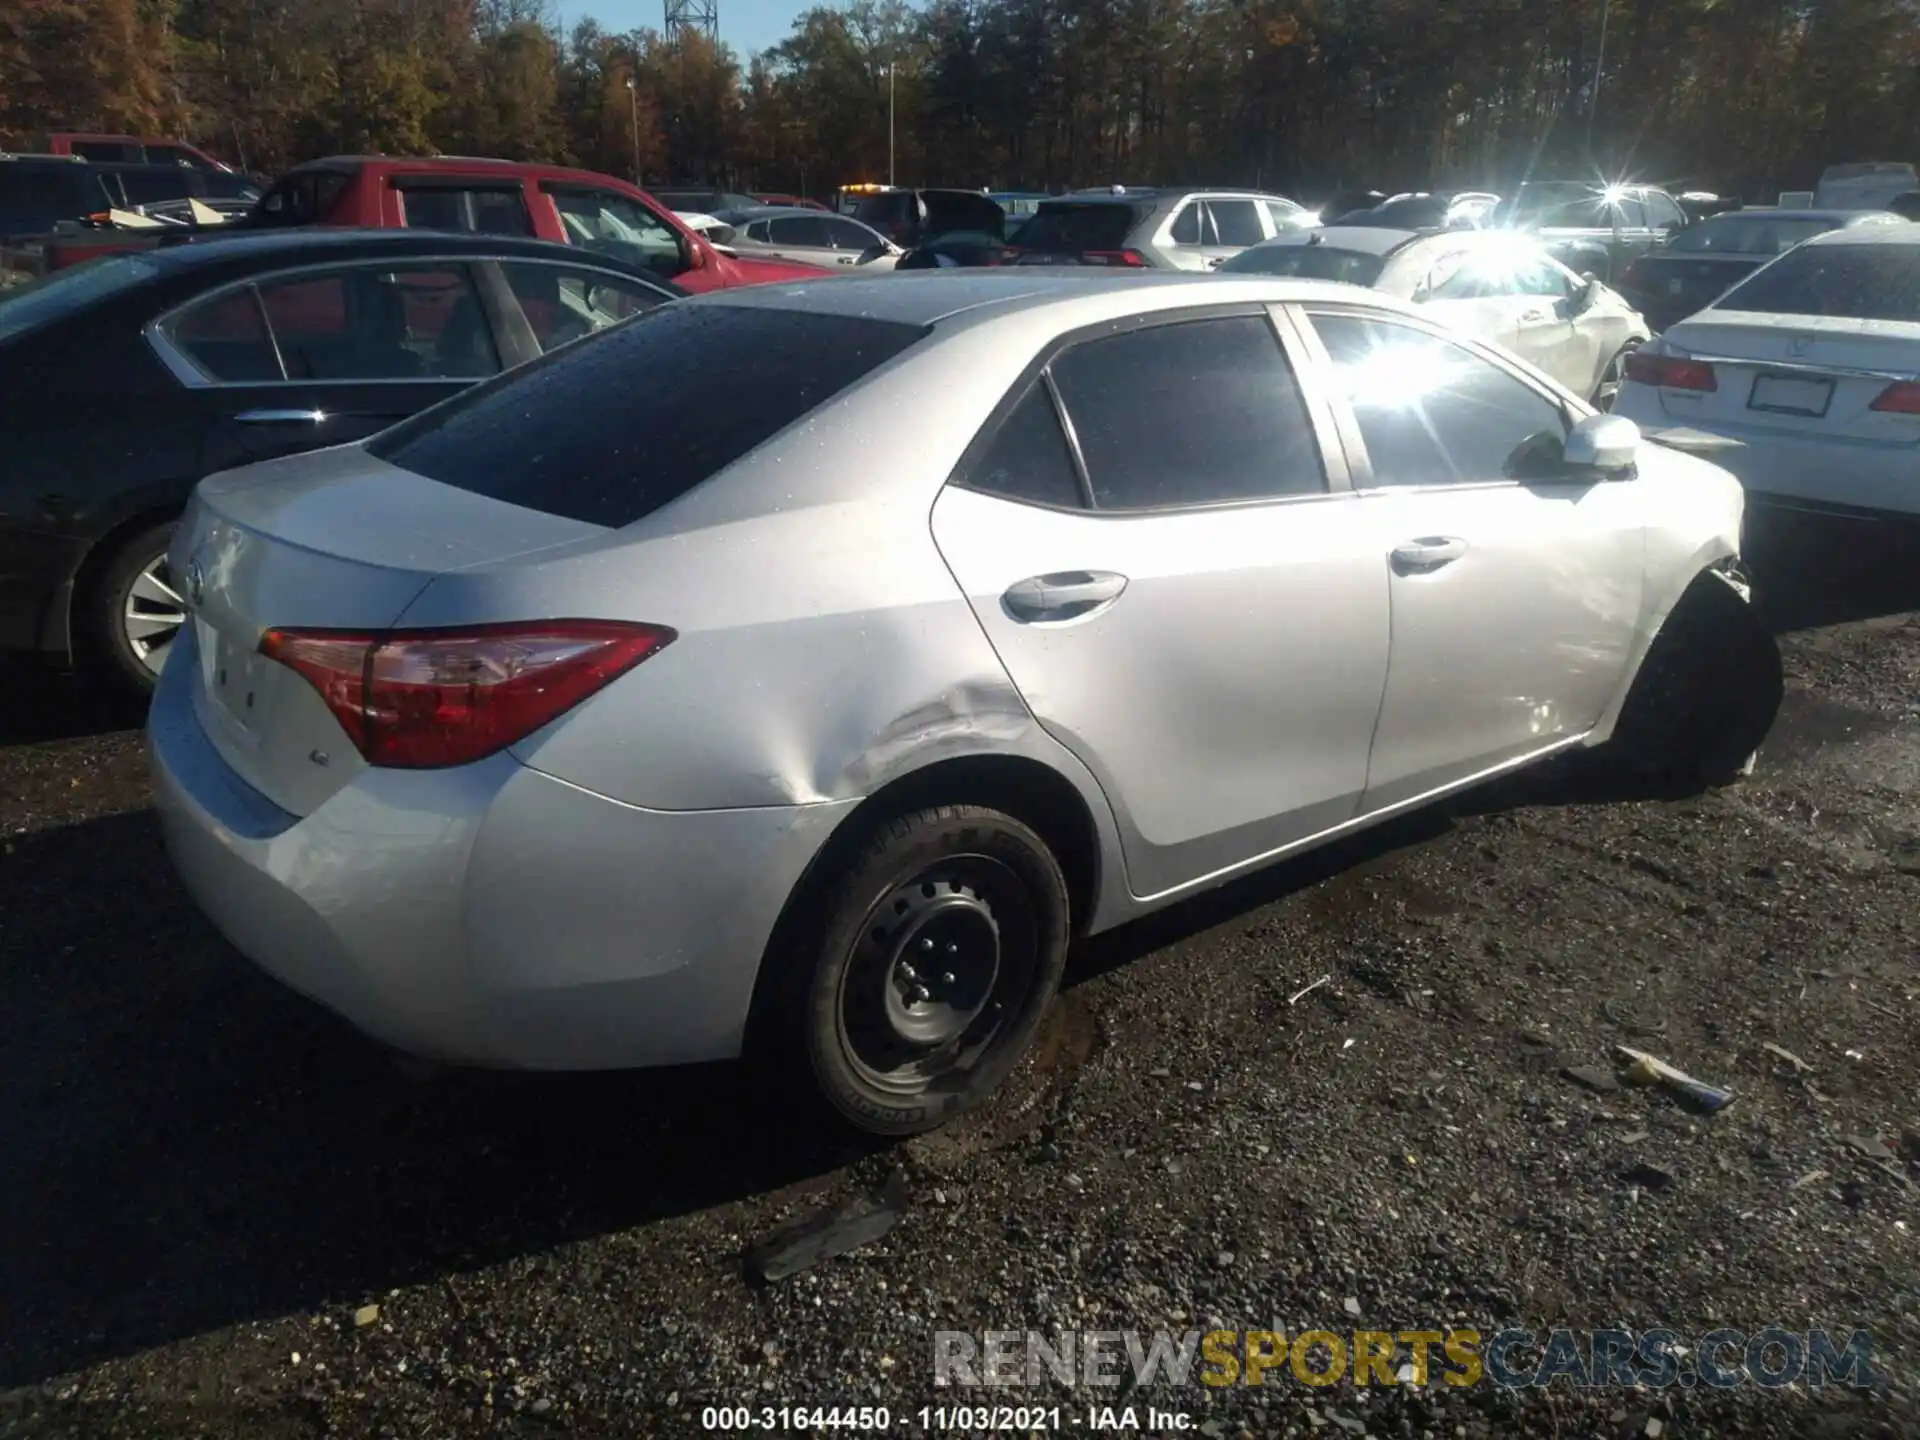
(1607, 443)
(1582, 299)
(696, 254)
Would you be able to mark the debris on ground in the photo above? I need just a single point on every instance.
(1645, 1069)
(827, 1234)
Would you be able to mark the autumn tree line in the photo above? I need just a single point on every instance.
(1304, 96)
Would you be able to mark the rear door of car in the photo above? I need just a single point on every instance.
(1155, 533)
(1238, 224)
(319, 355)
(804, 238)
(1516, 583)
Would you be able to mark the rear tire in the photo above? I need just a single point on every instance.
(1705, 697)
(1607, 391)
(131, 613)
(922, 970)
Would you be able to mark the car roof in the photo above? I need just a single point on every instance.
(1841, 216)
(457, 165)
(325, 241)
(1365, 239)
(774, 212)
(1907, 232)
(942, 297)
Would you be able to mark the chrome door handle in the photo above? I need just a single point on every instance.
(1531, 316)
(281, 417)
(1063, 595)
(1427, 554)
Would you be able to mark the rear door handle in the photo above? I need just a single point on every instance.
(1063, 595)
(281, 417)
(1532, 316)
(1427, 554)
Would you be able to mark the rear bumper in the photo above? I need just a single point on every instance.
(489, 914)
(1830, 472)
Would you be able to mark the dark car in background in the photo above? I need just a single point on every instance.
(39, 192)
(125, 381)
(1596, 229)
(912, 217)
(1704, 261)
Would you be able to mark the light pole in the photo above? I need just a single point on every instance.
(1599, 66)
(890, 122)
(633, 105)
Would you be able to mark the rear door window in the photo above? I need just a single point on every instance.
(1027, 458)
(483, 210)
(1236, 222)
(226, 339)
(1842, 282)
(807, 232)
(1198, 412)
(369, 323)
(676, 396)
(563, 304)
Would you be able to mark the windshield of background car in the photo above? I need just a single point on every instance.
(1841, 282)
(677, 395)
(27, 307)
(1057, 226)
(1752, 235)
(1307, 262)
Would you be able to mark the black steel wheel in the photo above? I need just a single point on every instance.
(940, 947)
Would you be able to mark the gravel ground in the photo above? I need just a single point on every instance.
(207, 1180)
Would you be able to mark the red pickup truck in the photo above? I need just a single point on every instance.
(502, 197)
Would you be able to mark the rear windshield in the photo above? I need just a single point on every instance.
(66, 291)
(1746, 236)
(610, 429)
(1844, 282)
(1103, 226)
(948, 212)
(1308, 262)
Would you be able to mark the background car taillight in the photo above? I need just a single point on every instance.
(422, 699)
(1900, 398)
(1129, 259)
(1670, 372)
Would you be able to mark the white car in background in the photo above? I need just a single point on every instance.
(1803, 379)
(715, 231)
(1496, 286)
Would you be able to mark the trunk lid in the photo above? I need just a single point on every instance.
(334, 540)
(1798, 374)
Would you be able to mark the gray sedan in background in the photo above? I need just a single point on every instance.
(812, 237)
(625, 711)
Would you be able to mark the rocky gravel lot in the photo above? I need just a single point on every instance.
(222, 1214)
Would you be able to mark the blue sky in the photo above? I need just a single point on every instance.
(746, 25)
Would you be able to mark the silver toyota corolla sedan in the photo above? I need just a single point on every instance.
(794, 671)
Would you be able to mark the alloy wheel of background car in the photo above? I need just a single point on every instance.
(137, 611)
(942, 952)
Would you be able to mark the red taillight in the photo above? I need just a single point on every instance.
(1130, 259)
(421, 699)
(1670, 372)
(1900, 398)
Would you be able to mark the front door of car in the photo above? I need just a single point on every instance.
(330, 354)
(1190, 607)
(1548, 334)
(1516, 583)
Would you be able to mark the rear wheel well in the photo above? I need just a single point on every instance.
(1030, 792)
(99, 556)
